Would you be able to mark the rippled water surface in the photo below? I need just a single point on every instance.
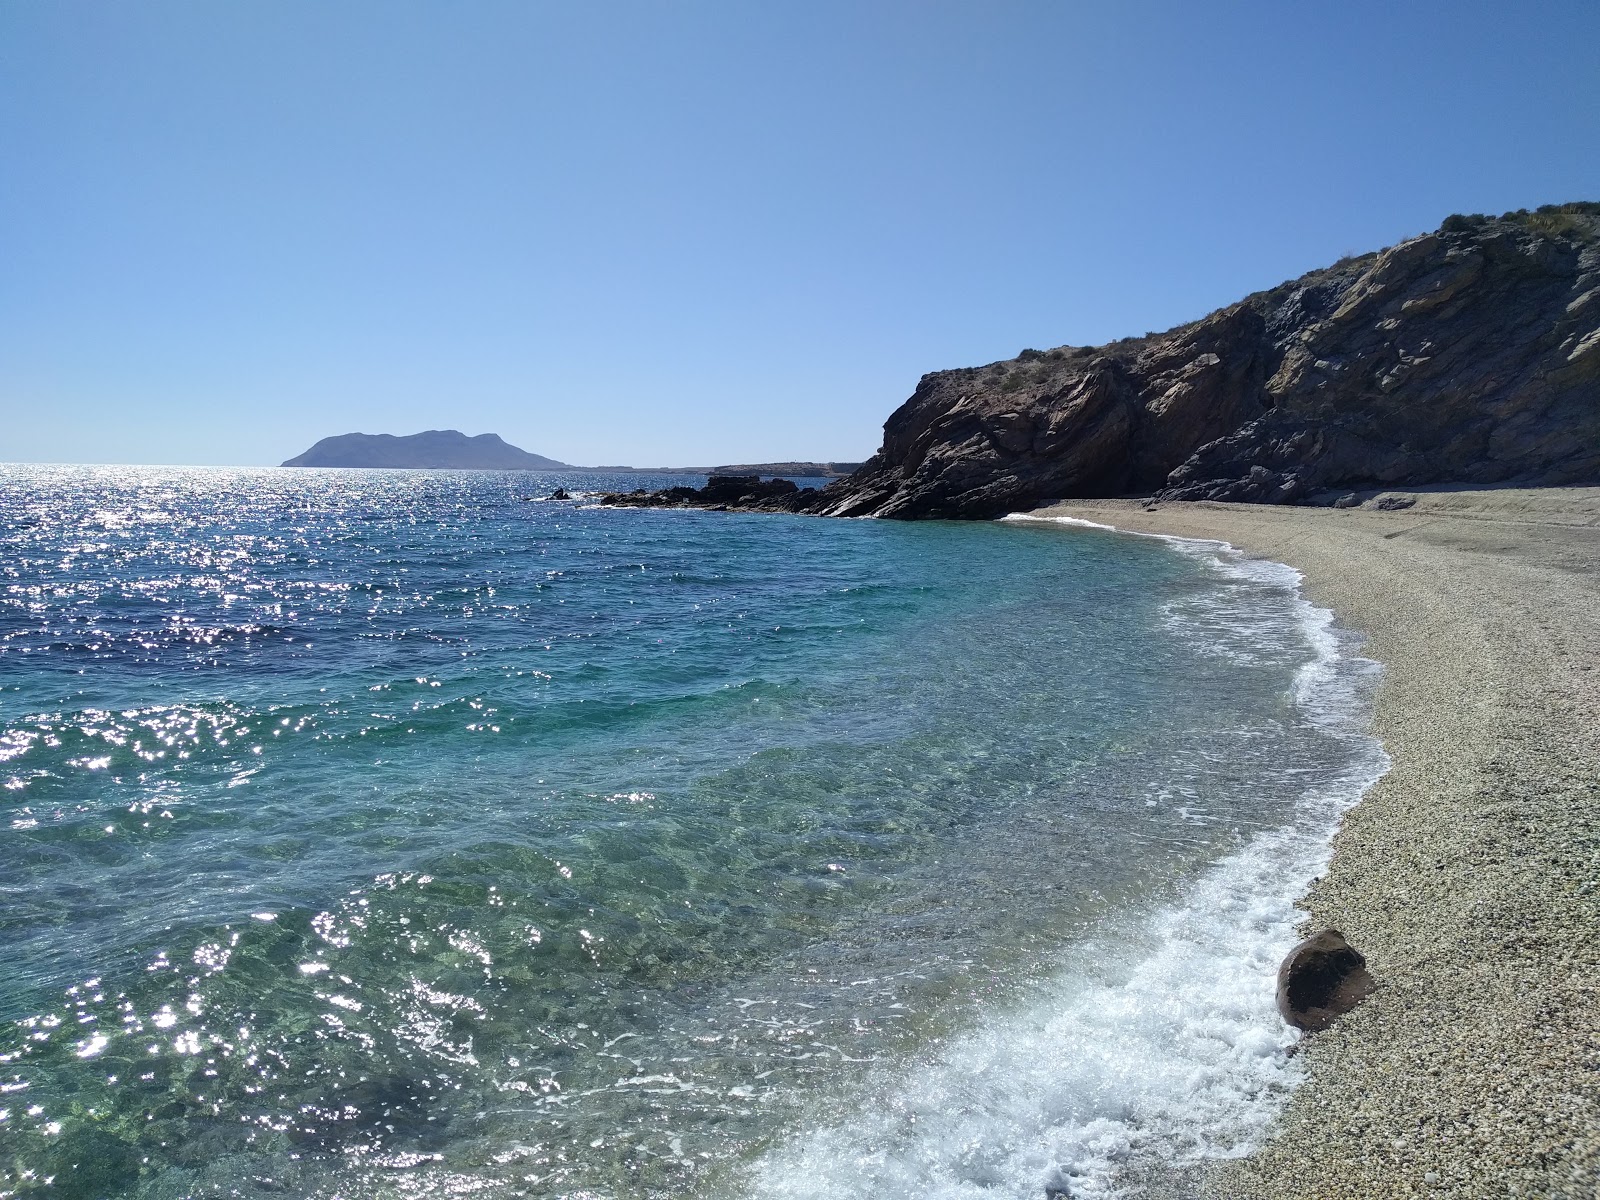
(403, 833)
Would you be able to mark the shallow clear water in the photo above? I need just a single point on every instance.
(402, 833)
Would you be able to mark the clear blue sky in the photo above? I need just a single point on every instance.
(685, 232)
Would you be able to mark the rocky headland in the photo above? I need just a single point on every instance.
(1469, 355)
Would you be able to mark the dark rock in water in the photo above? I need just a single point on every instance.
(89, 1163)
(560, 494)
(1321, 979)
(729, 489)
(723, 492)
(1394, 503)
(1468, 355)
(394, 1111)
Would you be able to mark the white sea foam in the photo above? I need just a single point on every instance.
(1058, 521)
(1232, 623)
(1152, 1050)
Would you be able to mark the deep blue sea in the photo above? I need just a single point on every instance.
(405, 833)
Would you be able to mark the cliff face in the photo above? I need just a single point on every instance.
(1468, 355)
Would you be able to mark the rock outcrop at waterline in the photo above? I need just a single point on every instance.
(747, 493)
(1468, 355)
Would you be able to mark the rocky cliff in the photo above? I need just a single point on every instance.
(1468, 355)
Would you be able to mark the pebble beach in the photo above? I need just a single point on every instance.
(1469, 875)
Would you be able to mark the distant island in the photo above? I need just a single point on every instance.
(450, 449)
(437, 448)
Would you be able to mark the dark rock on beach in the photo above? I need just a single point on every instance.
(1394, 503)
(1320, 980)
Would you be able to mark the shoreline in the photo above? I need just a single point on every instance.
(1467, 873)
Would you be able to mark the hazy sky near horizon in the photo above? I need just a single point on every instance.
(696, 232)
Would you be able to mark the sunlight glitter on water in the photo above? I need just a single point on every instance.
(421, 836)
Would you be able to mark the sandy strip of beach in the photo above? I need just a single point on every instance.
(1470, 874)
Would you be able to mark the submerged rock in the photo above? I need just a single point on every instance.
(1321, 979)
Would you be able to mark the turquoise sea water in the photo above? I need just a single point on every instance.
(401, 833)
